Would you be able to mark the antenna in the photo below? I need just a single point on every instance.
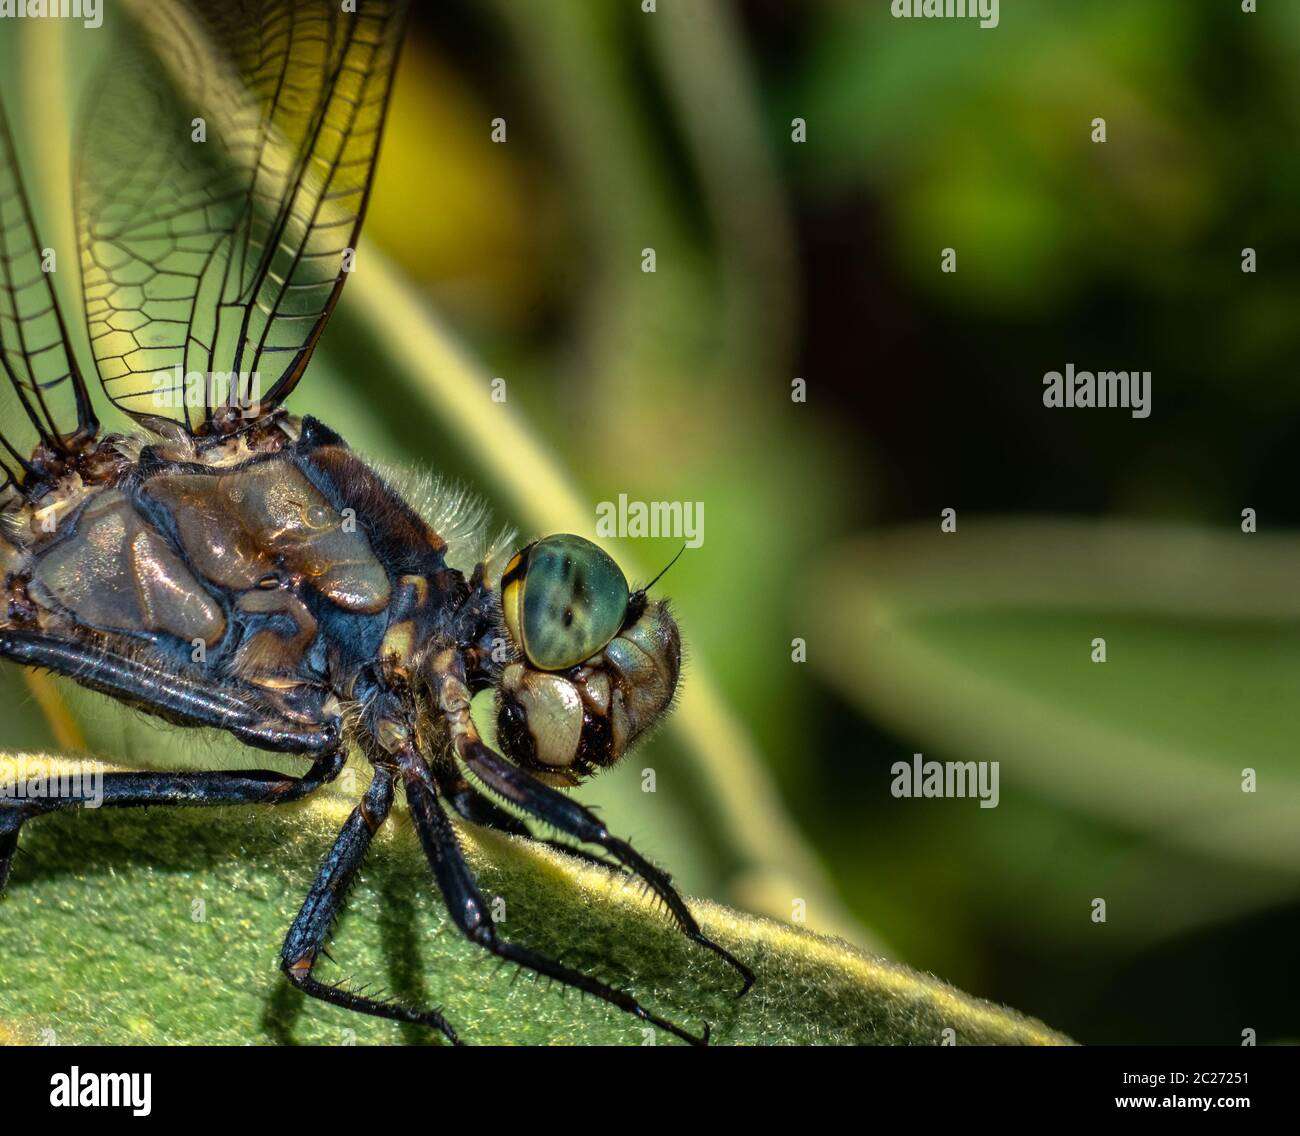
(642, 590)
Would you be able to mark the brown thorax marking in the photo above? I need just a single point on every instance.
(447, 670)
(401, 643)
(397, 651)
(266, 655)
(116, 572)
(239, 526)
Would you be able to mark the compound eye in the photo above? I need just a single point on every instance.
(564, 600)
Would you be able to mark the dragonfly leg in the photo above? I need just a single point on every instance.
(306, 938)
(525, 792)
(470, 912)
(126, 790)
(473, 806)
(237, 708)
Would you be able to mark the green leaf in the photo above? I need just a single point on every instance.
(979, 644)
(163, 926)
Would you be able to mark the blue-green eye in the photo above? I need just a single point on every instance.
(563, 600)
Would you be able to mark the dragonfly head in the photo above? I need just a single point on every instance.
(597, 664)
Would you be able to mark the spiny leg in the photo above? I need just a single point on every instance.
(128, 790)
(469, 910)
(236, 708)
(554, 808)
(475, 807)
(306, 938)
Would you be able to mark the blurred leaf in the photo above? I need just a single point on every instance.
(168, 924)
(981, 142)
(979, 644)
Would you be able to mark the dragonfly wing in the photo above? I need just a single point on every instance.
(225, 167)
(43, 397)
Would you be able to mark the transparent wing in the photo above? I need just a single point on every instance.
(225, 167)
(43, 398)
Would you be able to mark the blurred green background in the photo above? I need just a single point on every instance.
(820, 260)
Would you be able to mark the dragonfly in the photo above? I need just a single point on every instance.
(226, 564)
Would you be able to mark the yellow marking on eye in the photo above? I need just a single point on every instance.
(512, 602)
